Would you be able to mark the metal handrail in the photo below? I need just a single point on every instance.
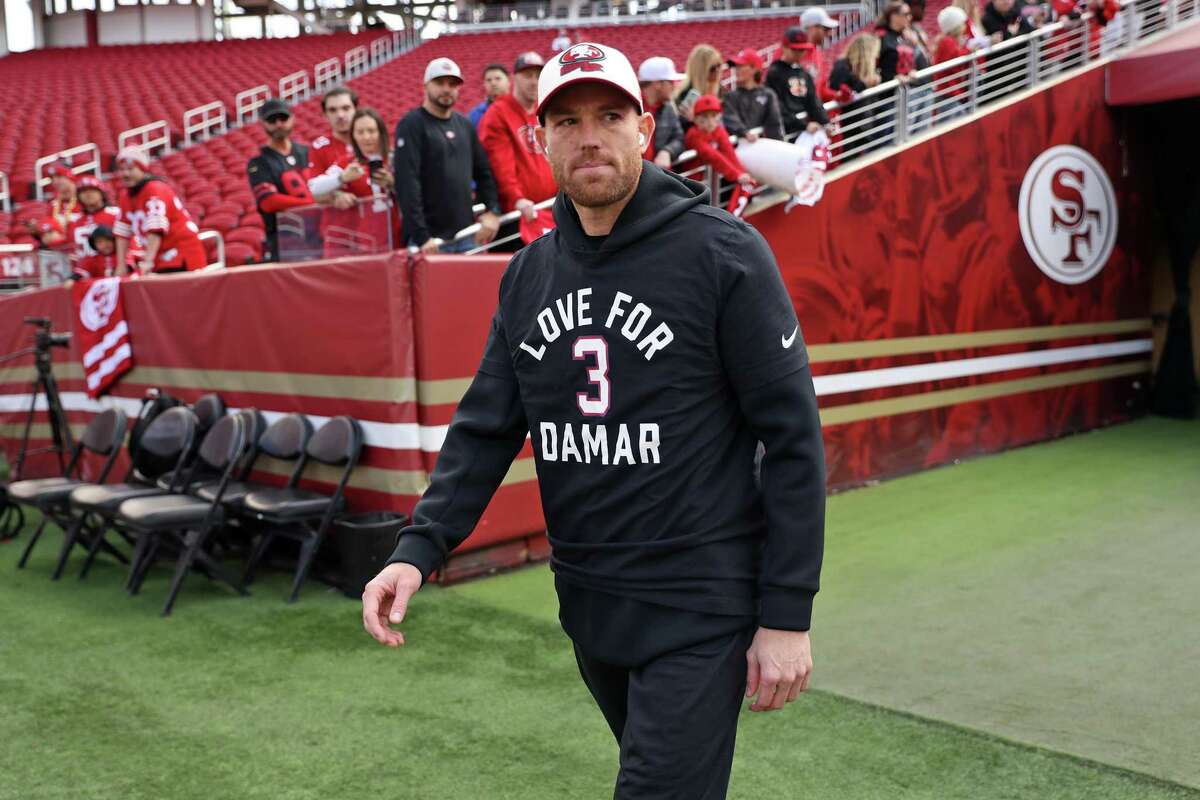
(295, 87)
(247, 102)
(355, 62)
(92, 165)
(327, 73)
(149, 137)
(202, 122)
(5, 197)
(204, 235)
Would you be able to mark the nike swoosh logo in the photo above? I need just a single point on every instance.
(788, 341)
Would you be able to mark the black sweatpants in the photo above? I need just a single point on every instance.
(674, 717)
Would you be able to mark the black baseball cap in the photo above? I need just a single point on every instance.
(530, 60)
(273, 107)
(796, 39)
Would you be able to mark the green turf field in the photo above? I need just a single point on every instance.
(1043, 596)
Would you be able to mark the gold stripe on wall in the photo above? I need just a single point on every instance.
(881, 348)
(356, 387)
(447, 392)
(67, 370)
(389, 481)
(521, 471)
(874, 409)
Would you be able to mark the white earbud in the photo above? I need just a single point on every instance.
(546, 149)
(641, 140)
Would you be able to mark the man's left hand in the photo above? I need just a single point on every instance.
(779, 666)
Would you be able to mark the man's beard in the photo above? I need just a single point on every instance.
(442, 100)
(593, 194)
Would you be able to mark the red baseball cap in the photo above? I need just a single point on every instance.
(89, 182)
(795, 38)
(61, 170)
(748, 57)
(706, 102)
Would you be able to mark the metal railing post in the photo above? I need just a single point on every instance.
(973, 86)
(900, 128)
(1033, 60)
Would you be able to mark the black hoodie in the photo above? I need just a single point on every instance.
(646, 366)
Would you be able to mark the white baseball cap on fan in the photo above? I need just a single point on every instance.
(588, 62)
(442, 68)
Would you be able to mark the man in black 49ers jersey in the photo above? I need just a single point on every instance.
(647, 345)
(277, 174)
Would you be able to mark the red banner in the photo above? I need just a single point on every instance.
(103, 333)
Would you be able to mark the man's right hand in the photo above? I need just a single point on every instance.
(351, 173)
(527, 209)
(385, 601)
(344, 200)
(431, 246)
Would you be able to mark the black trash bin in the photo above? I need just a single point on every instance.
(364, 542)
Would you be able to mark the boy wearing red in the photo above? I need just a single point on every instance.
(151, 212)
(711, 143)
(522, 172)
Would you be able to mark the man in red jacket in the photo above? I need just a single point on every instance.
(151, 212)
(522, 172)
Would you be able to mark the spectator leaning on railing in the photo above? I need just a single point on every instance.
(794, 86)
(495, 85)
(367, 177)
(900, 46)
(658, 79)
(711, 143)
(522, 174)
(817, 25)
(951, 44)
(1004, 17)
(277, 174)
(94, 211)
(438, 154)
(152, 214)
(854, 73)
(703, 78)
(751, 105)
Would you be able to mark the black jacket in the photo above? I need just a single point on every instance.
(270, 173)
(746, 109)
(995, 22)
(797, 93)
(646, 367)
(898, 57)
(668, 132)
(436, 161)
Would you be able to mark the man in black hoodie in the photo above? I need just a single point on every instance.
(647, 345)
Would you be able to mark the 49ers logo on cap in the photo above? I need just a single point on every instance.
(582, 57)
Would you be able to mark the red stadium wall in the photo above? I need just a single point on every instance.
(933, 334)
(926, 243)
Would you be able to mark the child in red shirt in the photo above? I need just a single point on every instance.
(711, 143)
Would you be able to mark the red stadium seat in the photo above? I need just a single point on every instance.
(252, 236)
(219, 222)
(239, 253)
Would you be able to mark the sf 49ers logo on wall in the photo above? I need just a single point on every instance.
(1068, 214)
(582, 57)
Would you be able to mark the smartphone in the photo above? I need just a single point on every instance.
(690, 98)
(374, 163)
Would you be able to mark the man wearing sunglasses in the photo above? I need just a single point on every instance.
(277, 173)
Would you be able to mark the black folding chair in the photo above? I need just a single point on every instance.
(208, 408)
(301, 514)
(185, 521)
(103, 437)
(276, 441)
(163, 447)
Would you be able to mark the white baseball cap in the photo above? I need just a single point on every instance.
(817, 16)
(134, 155)
(588, 62)
(442, 68)
(658, 68)
(951, 18)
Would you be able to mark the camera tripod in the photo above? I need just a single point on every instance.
(11, 516)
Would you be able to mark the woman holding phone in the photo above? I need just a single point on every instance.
(368, 176)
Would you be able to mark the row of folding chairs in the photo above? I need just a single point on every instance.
(189, 483)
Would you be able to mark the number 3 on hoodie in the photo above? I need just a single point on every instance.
(597, 375)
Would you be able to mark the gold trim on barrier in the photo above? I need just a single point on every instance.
(882, 348)
(874, 409)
